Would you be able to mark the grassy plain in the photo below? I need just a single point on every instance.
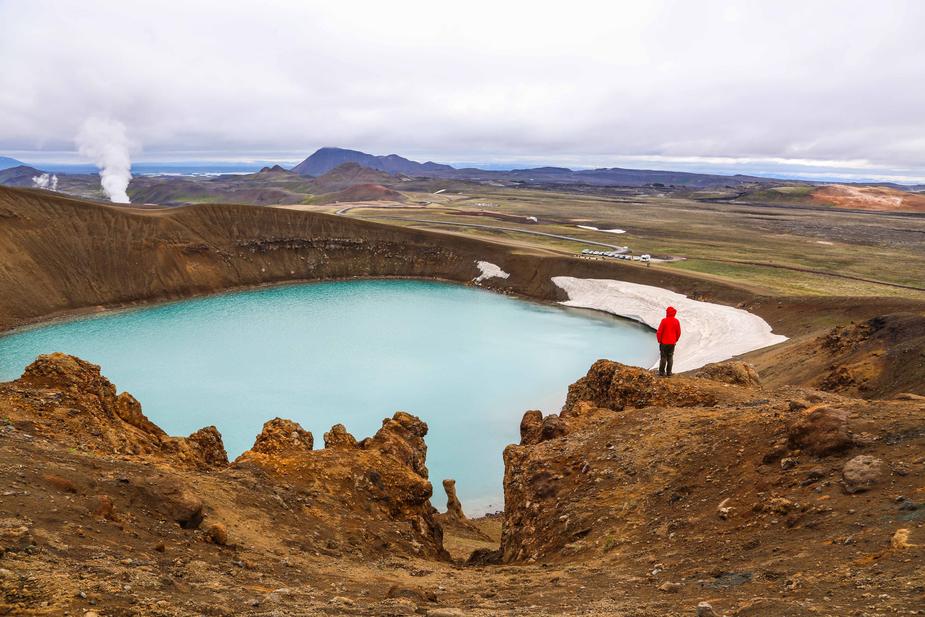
(793, 250)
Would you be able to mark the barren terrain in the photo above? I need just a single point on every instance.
(789, 485)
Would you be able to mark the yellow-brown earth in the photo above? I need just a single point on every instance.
(790, 490)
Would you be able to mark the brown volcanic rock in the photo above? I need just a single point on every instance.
(820, 431)
(862, 473)
(209, 444)
(58, 371)
(378, 490)
(69, 400)
(617, 386)
(453, 506)
(631, 479)
(649, 481)
(531, 427)
(733, 372)
(281, 437)
(338, 437)
(402, 438)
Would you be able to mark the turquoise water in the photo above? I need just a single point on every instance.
(467, 361)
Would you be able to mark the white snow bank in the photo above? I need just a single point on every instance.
(606, 231)
(488, 271)
(709, 332)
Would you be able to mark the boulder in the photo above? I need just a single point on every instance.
(862, 473)
(173, 498)
(531, 427)
(104, 507)
(217, 534)
(209, 446)
(484, 557)
(820, 431)
(733, 372)
(338, 437)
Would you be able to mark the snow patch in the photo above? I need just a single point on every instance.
(710, 332)
(488, 271)
(606, 231)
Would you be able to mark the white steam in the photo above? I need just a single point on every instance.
(46, 181)
(104, 140)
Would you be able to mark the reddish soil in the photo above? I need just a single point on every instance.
(879, 198)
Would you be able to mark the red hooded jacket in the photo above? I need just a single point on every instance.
(669, 331)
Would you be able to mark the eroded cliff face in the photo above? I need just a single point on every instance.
(373, 494)
(365, 497)
(712, 482)
(784, 501)
(71, 402)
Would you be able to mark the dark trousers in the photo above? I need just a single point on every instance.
(666, 359)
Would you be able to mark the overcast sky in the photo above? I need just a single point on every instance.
(806, 86)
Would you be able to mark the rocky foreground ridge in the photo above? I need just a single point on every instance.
(643, 496)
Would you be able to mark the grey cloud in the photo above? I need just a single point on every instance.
(833, 80)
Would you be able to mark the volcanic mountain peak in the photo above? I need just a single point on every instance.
(328, 158)
(276, 169)
(350, 174)
(21, 175)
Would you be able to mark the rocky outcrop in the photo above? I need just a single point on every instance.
(369, 497)
(70, 401)
(377, 488)
(402, 438)
(338, 437)
(660, 473)
(617, 386)
(820, 431)
(453, 506)
(281, 437)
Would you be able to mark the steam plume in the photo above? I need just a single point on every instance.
(104, 140)
(46, 181)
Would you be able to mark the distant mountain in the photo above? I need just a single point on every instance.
(326, 159)
(274, 169)
(350, 174)
(20, 175)
(6, 162)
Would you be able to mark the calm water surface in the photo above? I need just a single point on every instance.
(467, 361)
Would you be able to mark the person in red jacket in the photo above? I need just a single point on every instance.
(668, 333)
